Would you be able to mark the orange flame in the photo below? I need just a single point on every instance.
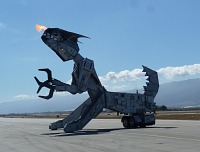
(39, 28)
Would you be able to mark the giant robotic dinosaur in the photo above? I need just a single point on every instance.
(137, 108)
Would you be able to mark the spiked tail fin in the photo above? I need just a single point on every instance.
(153, 84)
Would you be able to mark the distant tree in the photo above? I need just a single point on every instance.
(161, 108)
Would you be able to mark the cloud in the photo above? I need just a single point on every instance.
(137, 74)
(30, 97)
(23, 97)
(181, 71)
(2, 25)
(64, 93)
(125, 75)
(126, 79)
(123, 80)
(119, 87)
(69, 81)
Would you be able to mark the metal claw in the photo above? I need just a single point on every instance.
(46, 84)
(49, 74)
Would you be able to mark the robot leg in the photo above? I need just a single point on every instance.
(71, 117)
(89, 112)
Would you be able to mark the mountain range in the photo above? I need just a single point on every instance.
(179, 94)
(175, 94)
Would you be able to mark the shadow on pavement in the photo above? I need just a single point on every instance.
(82, 132)
(61, 133)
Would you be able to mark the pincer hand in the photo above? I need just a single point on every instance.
(48, 84)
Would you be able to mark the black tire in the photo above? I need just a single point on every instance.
(132, 122)
(125, 122)
(142, 125)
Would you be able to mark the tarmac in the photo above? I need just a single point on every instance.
(100, 135)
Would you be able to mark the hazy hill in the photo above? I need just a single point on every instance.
(174, 94)
(179, 94)
(62, 103)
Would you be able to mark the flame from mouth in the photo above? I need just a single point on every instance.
(39, 28)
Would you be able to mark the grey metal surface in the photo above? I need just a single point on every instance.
(84, 78)
(31, 135)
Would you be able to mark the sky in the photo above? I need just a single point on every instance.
(124, 35)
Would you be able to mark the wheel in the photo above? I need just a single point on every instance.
(142, 125)
(125, 122)
(132, 122)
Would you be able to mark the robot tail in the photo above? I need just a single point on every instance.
(152, 86)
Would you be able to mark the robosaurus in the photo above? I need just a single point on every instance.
(138, 109)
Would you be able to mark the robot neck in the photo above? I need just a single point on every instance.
(78, 58)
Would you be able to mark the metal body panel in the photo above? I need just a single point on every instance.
(84, 78)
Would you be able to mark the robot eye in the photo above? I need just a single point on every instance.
(61, 49)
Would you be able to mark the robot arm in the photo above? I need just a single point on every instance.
(54, 84)
(81, 77)
(60, 86)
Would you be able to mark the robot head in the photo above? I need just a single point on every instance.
(62, 42)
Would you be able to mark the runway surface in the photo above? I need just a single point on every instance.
(32, 135)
